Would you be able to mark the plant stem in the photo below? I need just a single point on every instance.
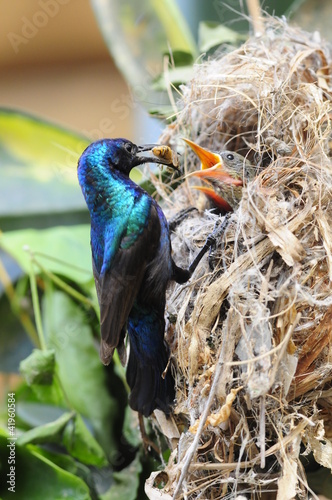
(63, 285)
(36, 307)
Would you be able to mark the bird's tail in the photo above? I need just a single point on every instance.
(150, 388)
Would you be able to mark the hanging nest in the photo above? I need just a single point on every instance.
(250, 334)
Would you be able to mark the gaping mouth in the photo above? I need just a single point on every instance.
(207, 158)
(212, 166)
(213, 174)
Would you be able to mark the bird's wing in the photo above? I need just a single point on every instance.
(118, 284)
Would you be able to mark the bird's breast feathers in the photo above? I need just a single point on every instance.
(121, 231)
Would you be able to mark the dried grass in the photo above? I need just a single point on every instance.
(251, 338)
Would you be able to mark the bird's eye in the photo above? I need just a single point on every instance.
(128, 147)
(230, 156)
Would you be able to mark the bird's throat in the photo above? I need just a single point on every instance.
(107, 192)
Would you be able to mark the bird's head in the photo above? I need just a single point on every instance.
(120, 154)
(219, 170)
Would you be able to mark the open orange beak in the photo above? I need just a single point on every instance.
(216, 199)
(207, 158)
(212, 166)
(212, 172)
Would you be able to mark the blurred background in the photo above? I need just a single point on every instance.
(90, 69)
(55, 63)
(63, 72)
(60, 71)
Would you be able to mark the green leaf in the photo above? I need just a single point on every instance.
(211, 34)
(48, 433)
(30, 140)
(69, 464)
(38, 368)
(47, 394)
(180, 71)
(175, 76)
(32, 413)
(38, 165)
(37, 478)
(176, 30)
(126, 482)
(181, 58)
(80, 370)
(52, 394)
(70, 431)
(81, 445)
(62, 250)
(124, 26)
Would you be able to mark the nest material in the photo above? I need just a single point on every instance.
(251, 333)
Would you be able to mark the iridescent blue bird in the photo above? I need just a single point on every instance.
(132, 266)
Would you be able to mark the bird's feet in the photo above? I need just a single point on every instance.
(217, 235)
(147, 443)
(210, 242)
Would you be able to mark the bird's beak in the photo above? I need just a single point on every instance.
(217, 200)
(146, 147)
(154, 159)
(212, 167)
(212, 173)
(207, 158)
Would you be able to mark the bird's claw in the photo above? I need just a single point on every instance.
(218, 231)
(146, 441)
(211, 241)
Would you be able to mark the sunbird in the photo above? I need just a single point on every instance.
(132, 266)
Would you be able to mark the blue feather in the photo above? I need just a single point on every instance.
(132, 264)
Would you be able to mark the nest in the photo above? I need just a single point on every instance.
(250, 334)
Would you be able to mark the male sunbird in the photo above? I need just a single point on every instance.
(132, 266)
(224, 173)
